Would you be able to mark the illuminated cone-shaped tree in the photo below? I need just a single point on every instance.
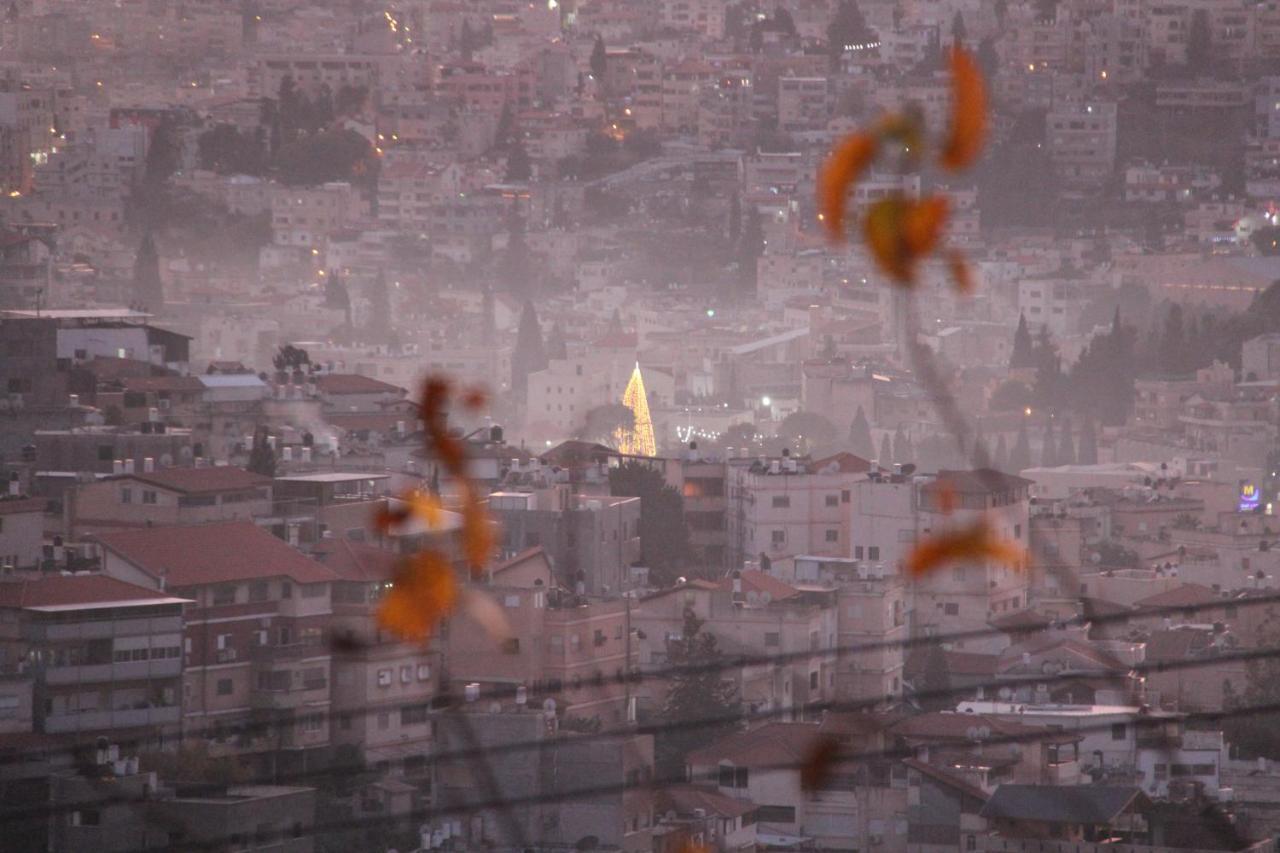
(639, 440)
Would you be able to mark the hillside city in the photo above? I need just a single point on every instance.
(236, 236)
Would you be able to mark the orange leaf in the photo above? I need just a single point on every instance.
(487, 613)
(690, 847)
(818, 763)
(923, 224)
(477, 535)
(883, 230)
(847, 162)
(900, 232)
(947, 498)
(424, 592)
(960, 272)
(475, 398)
(968, 112)
(975, 542)
(387, 517)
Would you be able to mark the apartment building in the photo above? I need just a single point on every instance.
(791, 505)
(168, 496)
(382, 689)
(569, 648)
(1081, 137)
(21, 530)
(890, 514)
(754, 613)
(257, 674)
(872, 614)
(104, 656)
(591, 541)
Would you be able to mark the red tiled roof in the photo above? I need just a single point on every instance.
(521, 557)
(354, 383)
(770, 745)
(222, 478)
(978, 481)
(13, 506)
(759, 582)
(846, 463)
(356, 561)
(185, 384)
(213, 553)
(688, 799)
(948, 779)
(1186, 595)
(72, 589)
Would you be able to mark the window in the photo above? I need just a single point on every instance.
(1119, 731)
(148, 496)
(511, 646)
(778, 537)
(833, 535)
(424, 671)
(412, 715)
(857, 552)
(873, 552)
(224, 687)
(258, 591)
(773, 639)
(813, 681)
(8, 707)
(312, 590)
(832, 500)
(384, 677)
(286, 589)
(951, 608)
(781, 501)
(126, 496)
(844, 496)
(225, 594)
(384, 721)
(312, 722)
(957, 573)
(406, 674)
(733, 777)
(776, 814)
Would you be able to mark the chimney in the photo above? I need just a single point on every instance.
(128, 466)
(286, 454)
(148, 464)
(117, 466)
(15, 487)
(73, 401)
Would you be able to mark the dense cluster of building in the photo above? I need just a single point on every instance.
(235, 237)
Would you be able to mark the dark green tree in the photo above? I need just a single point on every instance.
(860, 441)
(885, 457)
(1011, 396)
(1266, 240)
(148, 288)
(379, 296)
(847, 28)
(603, 424)
(1048, 446)
(701, 704)
(1020, 456)
(664, 535)
(1066, 444)
(988, 57)
(1024, 351)
(519, 167)
(1199, 43)
(1000, 459)
(1088, 453)
(599, 61)
(334, 155)
(262, 458)
(750, 248)
(902, 449)
(530, 354)
(289, 359)
(1050, 380)
(807, 432)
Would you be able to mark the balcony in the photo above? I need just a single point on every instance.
(290, 697)
(108, 672)
(122, 719)
(287, 652)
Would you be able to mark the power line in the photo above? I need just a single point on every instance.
(845, 706)
(592, 791)
(727, 662)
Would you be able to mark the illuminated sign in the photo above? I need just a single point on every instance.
(1249, 497)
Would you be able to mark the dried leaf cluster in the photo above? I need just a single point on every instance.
(900, 231)
(425, 588)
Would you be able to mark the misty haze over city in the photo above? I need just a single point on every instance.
(655, 426)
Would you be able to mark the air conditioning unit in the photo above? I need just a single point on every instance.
(876, 838)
